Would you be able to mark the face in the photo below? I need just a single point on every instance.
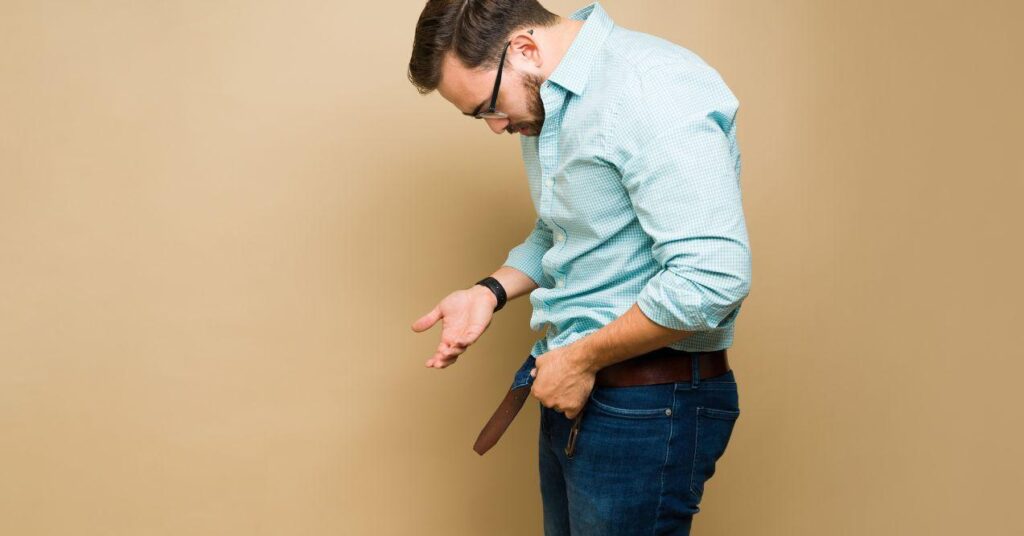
(518, 96)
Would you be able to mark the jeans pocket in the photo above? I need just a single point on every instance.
(637, 402)
(714, 428)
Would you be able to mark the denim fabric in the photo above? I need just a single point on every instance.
(522, 376)
(642, 457)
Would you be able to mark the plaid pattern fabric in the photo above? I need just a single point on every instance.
(635, 180)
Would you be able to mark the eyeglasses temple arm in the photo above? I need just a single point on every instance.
(497, 79)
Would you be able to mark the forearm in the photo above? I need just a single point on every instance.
(516, 283)
(628, 336)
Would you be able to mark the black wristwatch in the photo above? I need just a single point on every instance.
(497, 289)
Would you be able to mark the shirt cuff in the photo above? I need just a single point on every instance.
(526, 258)
(671, 302)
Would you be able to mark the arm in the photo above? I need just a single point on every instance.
(628, 336)
(681, 171)
(466, 314)
(526, 259)
(516, 284)
(522, 271)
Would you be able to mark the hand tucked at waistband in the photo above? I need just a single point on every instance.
(560, 381)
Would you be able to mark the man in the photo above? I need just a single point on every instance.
(637, 264)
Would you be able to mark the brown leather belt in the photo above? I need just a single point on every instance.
(664, 365)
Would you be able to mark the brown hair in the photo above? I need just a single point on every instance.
(474, 30)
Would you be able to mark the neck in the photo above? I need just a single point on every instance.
(560, 38)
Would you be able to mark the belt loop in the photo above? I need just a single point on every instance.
(695, 365)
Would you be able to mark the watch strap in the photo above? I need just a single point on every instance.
(497, 289)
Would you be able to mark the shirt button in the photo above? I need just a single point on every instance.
(668, 411)
(559, 236)
(551, 182)
(560, 283)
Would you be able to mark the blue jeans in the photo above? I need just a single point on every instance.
(642, 457)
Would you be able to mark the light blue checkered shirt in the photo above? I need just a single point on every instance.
(635, 180)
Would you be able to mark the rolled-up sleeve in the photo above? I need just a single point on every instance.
(679, 163)
(526, 257)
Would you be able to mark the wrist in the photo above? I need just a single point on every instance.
(483, 293)
(587, 357)
(496, 289)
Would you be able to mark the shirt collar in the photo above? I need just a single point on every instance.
(573, 71)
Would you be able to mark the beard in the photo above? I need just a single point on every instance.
(535, 106)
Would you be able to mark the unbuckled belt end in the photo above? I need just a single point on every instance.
(502, 418)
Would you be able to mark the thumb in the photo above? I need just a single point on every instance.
(427, 320)
(533, 372)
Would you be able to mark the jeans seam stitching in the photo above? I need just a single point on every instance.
(651, 413)
(696, 446)
(668, 450)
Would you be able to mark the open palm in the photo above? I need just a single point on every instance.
(464, 316)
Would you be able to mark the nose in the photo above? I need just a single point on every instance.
(497, 125)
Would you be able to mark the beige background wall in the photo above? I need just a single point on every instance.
(219, 219)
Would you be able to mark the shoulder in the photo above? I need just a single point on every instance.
(652, 71)
(661, 90)
(644, 52)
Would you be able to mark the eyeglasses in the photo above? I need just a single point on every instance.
(490, 112)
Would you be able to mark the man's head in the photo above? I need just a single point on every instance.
(456, 51)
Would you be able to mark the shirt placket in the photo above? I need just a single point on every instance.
(547, 153)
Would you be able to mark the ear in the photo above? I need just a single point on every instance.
(524, 53)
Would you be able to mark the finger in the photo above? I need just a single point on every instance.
(444, 362)
(439, 356)
(533, 372)
(459, 349)
(453, 353)
(447, 349)
(449, 362)
(438, 360)
(427, 321)
(455, 344)
(446, 354)
(468, 337)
